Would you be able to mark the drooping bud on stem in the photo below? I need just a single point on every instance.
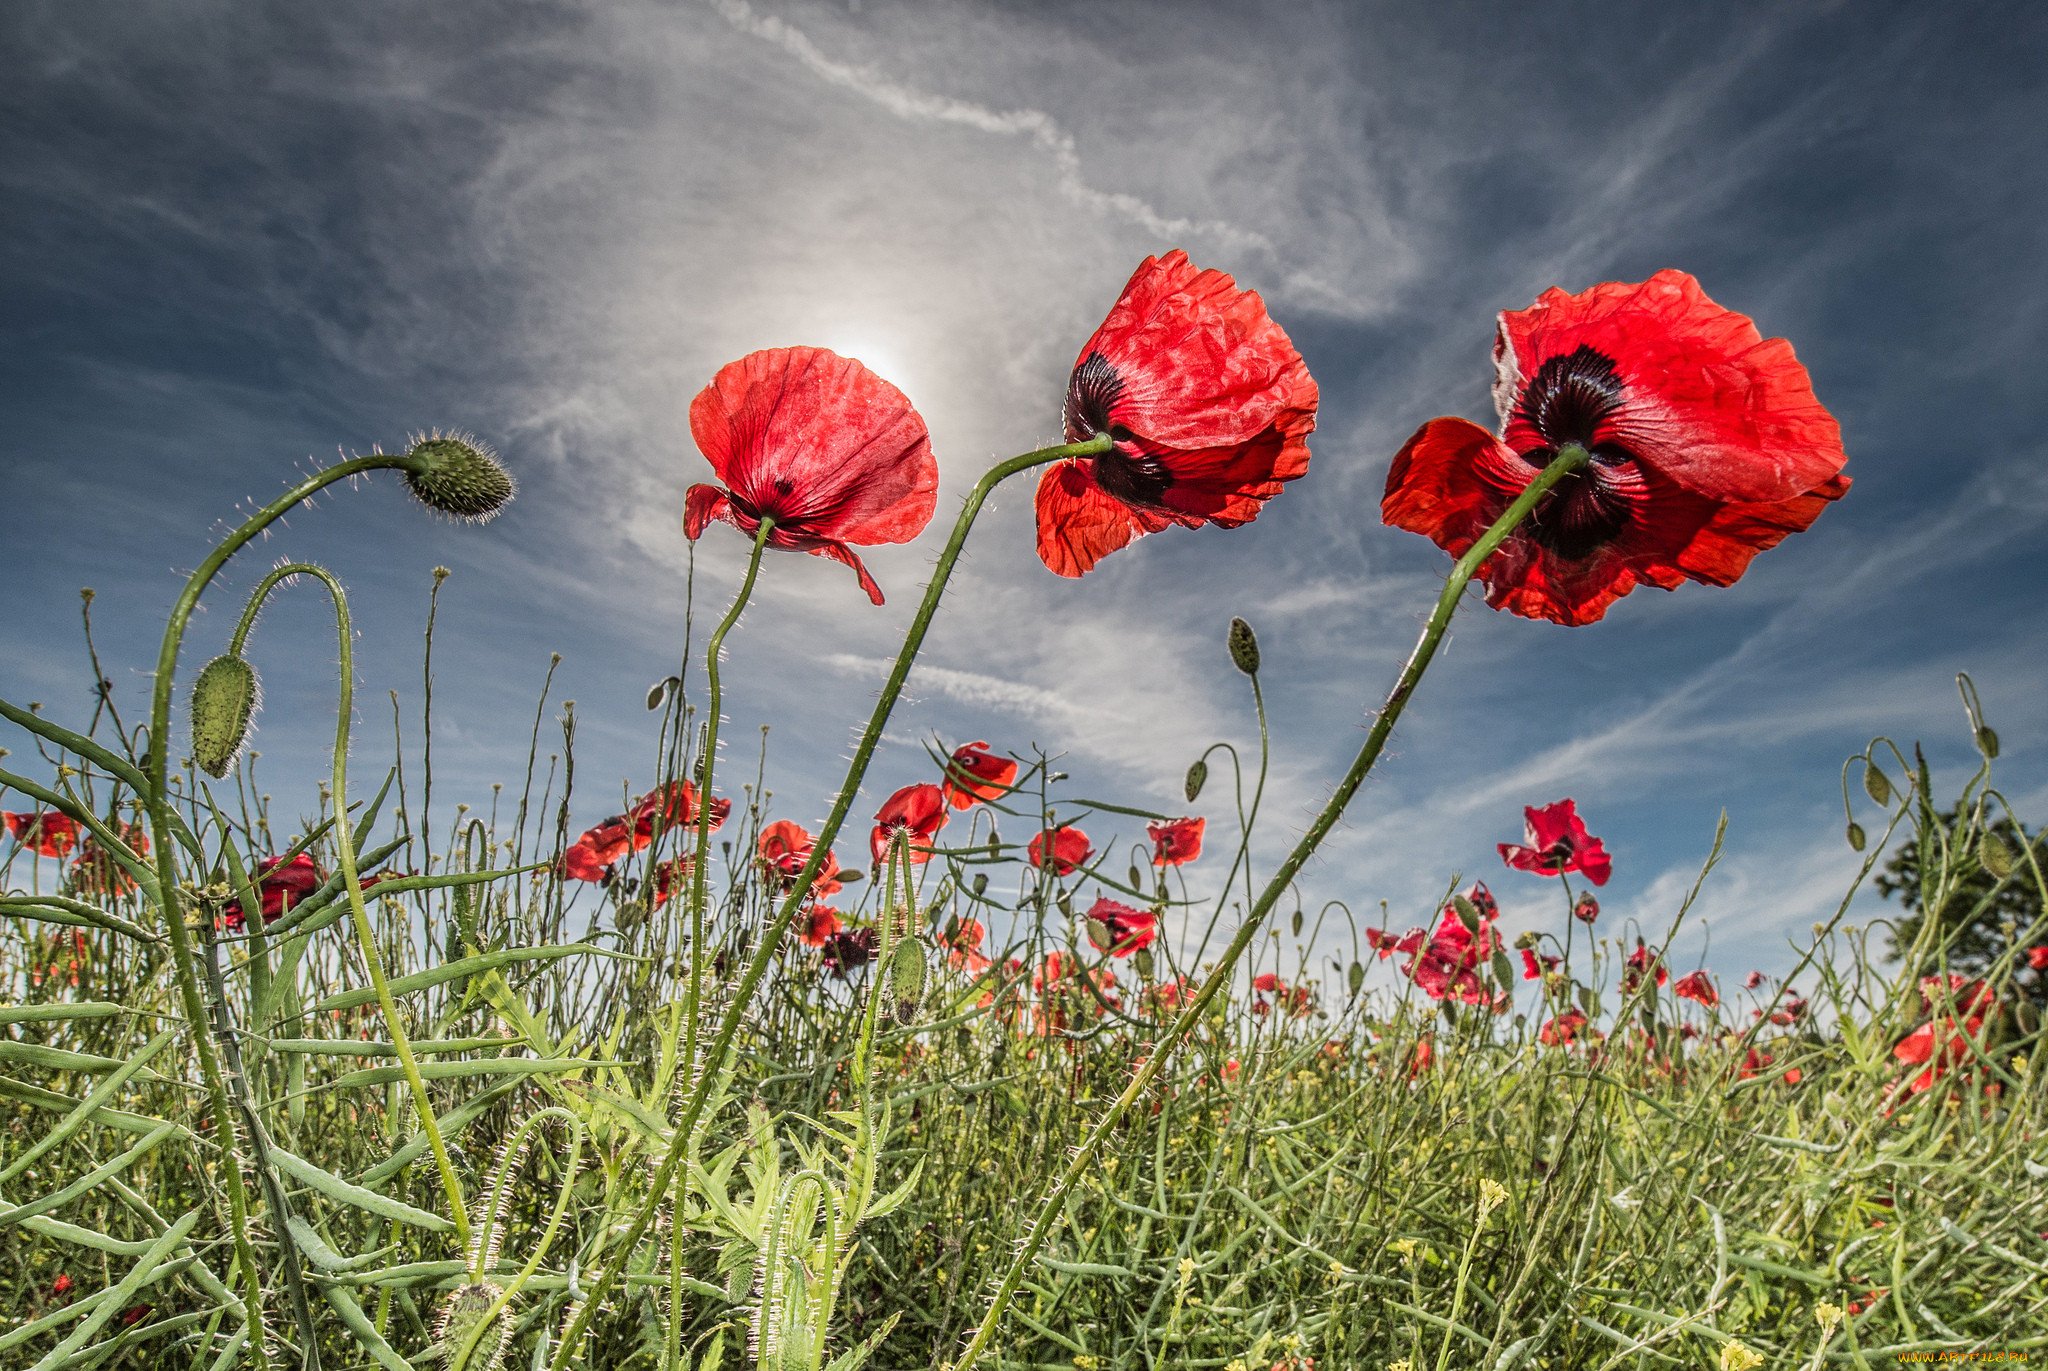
(224, 701)
(458, 476)
(1244, 647)
(1198, 776)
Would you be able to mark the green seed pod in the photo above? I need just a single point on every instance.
(1244, 647)
(1355, 978)
(1297, 923)
(657, 695)
(1987, 742)
(458, 476)
(224, 701)
(1142, 960)
(1468, 913)
(1856, 836)
(1995, 855)
(907, 978)
(1877, 784)
(1101, 934)
(980, 884)
(1198, 776)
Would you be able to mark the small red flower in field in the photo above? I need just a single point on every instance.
(1562, 1030)
(136, 1313)
(61, 1286)
(830, 451)
(280, 884)
(1555, 841)
(1697, 986)
(673, 806)
(1753, 1063)
(1126, 929)
(785, 847)
(1533, 966)
(1174, 993)
(1177, 841)
(1070, 849)
(1958, 1008)
(1707, 446)
(2037, 957)
(1209, 404)
(1790, 1012)
(1298, 1000)
(1232, 1069)
(917, 810)
(591, 856)
(45, 832)
(95, 872)
(974, 773)
(962, 941)
(1446, 962)
(1640, 961)
(848, 950)
(1586, 909)
(1753, 980)
(1421, 1057)
(820, 925)
(668, 877)
(1794, 1076)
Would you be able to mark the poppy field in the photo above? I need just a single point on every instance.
(978, 1071)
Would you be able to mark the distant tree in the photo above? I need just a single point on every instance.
(1982, 939)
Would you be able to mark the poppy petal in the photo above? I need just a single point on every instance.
(1079, 523)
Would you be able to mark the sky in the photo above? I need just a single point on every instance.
(243, 240)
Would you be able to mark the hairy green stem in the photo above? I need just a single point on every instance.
(163, 826)
(771, 940)
(1052, 1202)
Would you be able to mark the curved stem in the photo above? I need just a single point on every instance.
(757, 965)
(1052, 1203)
(699, 876)
(156, 768)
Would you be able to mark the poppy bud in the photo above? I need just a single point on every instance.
(1355, 978)
(1586, 910)
(980, 884)
(224, 701)
(1198, 776)
(1856, 835)
(907, 978)
(1142, 959)
(656, 694)
(457, 476)
(1468, 913)
(1995, 855)
(1297, 923)
(1244, 648)
(466, 1308)
(1526, 941)
(1987, 743)
(1877, 784)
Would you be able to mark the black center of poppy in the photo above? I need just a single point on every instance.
(1566, 401)
(1127, 471)
(1568, 397)
(1091, 391)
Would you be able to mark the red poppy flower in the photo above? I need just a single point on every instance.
(1533, 967)
(962, 941)
(1125, 929)
(1586, 910)
(1958, 1008)
(1445, 963)
(1707, 446)
(848, 950)
(673, 806)
(45, 832)
(136, 1313)
(95, 872)
(1297, 1000)
(1753, 980)
(974, 773)
(591, 856)
(1640, 961)
(785, 846)
(1070, 849)
(918, 810)
(1562, 1030)
(61, 1286)
(2037, 957)
(1177, 841)
(280, 884)
(1791, 1011)
(667, 878)
(1208, 402)
(817, 442)
(1421, 1057)
(820, 925)
(1697, 986)
(1555, 841)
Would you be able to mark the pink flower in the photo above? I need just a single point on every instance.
(1555, 841)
